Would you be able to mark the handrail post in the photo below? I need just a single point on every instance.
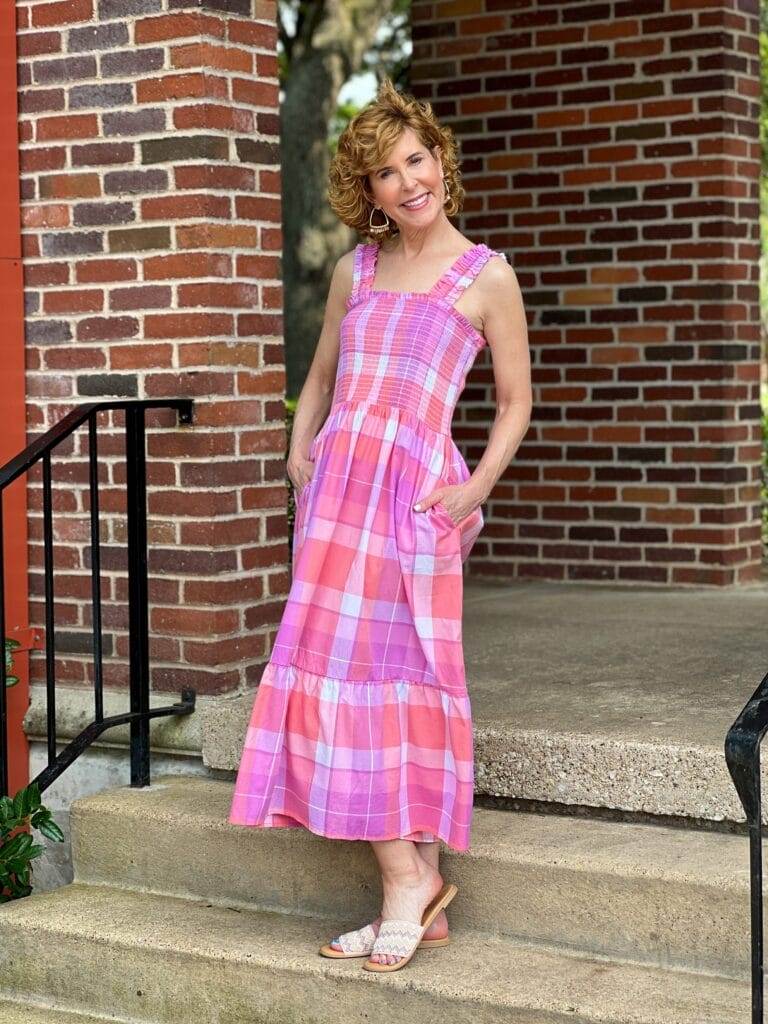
(138, 596)
(742, 757)
(756, 917)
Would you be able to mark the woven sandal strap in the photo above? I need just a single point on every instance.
(398, 938)
(358, 941)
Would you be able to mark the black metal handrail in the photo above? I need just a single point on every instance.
(138, 621)
(742, 755)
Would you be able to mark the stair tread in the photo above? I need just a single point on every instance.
(477, 967)
(12, 1012)
(710, 858)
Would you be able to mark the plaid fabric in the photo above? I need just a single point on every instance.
(361, 726)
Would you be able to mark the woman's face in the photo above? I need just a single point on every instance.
(410, 171)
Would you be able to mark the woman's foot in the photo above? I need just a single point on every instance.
(406, 897)
(437, 930)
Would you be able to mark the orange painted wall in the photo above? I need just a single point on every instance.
(13, 392)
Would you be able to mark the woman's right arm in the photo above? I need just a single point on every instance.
(317, 392)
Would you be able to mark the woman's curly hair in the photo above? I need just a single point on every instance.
(364, 145)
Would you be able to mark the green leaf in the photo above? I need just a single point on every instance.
(39, 817)
(13, 846)
(52, 831)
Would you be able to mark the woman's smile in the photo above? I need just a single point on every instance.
(417, 203)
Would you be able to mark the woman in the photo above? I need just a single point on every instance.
(361, 727)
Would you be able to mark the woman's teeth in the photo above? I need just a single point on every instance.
(416, 203)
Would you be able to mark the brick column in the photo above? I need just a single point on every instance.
(611, 149)
(151, 229)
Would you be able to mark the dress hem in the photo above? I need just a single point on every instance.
(351, 839)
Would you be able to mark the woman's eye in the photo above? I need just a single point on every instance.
(416, 161)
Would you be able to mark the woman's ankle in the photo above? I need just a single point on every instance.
(411, 875)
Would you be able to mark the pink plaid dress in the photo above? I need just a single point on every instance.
(361, 727)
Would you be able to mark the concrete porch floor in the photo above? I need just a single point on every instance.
(612, 696)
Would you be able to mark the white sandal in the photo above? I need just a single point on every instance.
(355, 943)
(360, 942)
(401, 938)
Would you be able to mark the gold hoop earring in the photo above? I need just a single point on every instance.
(447, 190)
(376, 229)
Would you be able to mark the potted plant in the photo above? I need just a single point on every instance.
(17, 848)
(17, 851)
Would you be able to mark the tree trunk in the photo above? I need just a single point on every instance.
(321, 57)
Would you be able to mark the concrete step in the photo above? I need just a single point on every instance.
(176, 961)
(663, 896)
(34, 1013)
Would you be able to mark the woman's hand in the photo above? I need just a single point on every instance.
(300, 471)
(458, 501)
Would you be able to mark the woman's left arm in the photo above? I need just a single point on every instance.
(506, 330)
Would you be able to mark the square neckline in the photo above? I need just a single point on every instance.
(428, 294)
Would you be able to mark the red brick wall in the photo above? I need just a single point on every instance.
(149, 138)
(611, 150)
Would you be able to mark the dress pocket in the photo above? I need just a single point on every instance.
(471, 525)
(319, 437)
(300, 497)
(436, 542)
(441, 516)
(428, 547)
(301, 505)
(470, 529)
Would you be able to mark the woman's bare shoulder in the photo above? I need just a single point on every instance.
(497, 269)
(496, 279)
(342, 278)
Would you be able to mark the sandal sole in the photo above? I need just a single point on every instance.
(339, 954)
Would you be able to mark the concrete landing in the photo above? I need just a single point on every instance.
(641, 665)
(612, 697)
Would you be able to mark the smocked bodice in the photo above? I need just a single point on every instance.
(408, 350)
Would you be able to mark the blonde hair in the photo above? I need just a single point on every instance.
(364, 145)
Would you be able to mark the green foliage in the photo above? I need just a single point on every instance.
(10, 644)
(390, 52)
(18, 852)
(341, 118)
